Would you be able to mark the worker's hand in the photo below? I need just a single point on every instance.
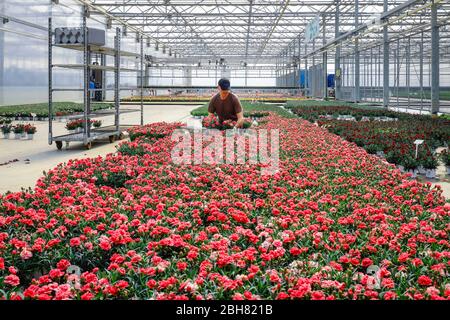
(239, 123)
(240, 120)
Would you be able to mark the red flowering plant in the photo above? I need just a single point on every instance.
(387, 135)
(79, 123)
(30, 129)
(153, 131)
(72, 125)
(211, 122)
(332, 223)
(228, 124)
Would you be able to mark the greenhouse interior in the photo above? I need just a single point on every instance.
(225, 150)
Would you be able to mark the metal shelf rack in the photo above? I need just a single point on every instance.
(89, 135)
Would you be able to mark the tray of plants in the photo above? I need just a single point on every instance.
(76, 133)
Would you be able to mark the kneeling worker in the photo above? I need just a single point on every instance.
(226, 105)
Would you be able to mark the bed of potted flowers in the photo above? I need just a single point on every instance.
(211, 122)
(136, 226)
(5, 120)
(76, 126)
(30, 130)
(393, 135)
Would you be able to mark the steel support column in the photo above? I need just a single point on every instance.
(408, 70)
(357, 59)
(337, 58)
(306, 72)
(324, 60)
(434, 60)
(2, 65)
(299, 62)
(385, 61)
(421, 70)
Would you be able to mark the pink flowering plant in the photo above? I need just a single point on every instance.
(211, 122)
(333, 223)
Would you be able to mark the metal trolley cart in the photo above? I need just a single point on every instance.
(88, 135)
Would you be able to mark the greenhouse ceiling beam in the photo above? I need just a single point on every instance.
(283, 9)
(237, 25)
(181, 37)
(89, 4)
(211, 68)
(210, 87)
(348, 21)
(363, 27)
(187, 24)
(226, 3)
(414, 33)
(160, 33)
(247, 41)
(234, 15)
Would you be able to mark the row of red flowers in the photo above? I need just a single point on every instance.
(393, 138)
(139, 226)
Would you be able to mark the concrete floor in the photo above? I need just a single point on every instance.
(442, 179)
(35, 156)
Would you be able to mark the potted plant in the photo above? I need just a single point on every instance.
(228, 124)
(30, 130)
(410, 164)
(430, 164)
(211, 122)
(97, 123)
(247, 124)
(420, 168)
(394, 157)
(71, 126)
(6, 130)
(19, 130)
(372, 148)
(445, 156)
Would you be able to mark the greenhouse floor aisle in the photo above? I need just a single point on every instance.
(27, 159)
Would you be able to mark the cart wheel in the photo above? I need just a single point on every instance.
(121, 136)
(88, 145)
(112, 139)
(59, 145)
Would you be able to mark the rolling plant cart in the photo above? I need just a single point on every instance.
(88, 135)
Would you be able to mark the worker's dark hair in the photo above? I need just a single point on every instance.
(224, 84)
